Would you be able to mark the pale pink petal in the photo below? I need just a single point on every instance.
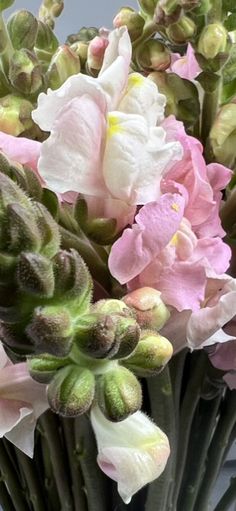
(22, 434)
(156, 223)
(223, 356)
(20, 149)
(71, 157)
(111, 208)
(175, 329)
(217, 253)
(11, 414)
(230, 379)
(3, 357)
(187, 66)
(183, 285)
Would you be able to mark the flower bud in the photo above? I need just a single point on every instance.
(148, 6)
(25, 73)
(167, 12)
(85, 34)
(4, 4)
(153, 55)
(22, 230)
(96, 51)
(132, 20)
(182, 31)
(80, 48)
(153, 352)
(49, 231)
(118, 394)
(223, 135)
(49, 10)
(35, 275)
(150, 310)
(46, 42)
(106, 336)
(71, 391)
(161, 79)
(64, 63)
(203, 7)
(110, 306)
(22, 27)
(15, 115)
(212, 40)
(44, 367)
(51, 330)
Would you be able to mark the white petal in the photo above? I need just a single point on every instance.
(22, 435)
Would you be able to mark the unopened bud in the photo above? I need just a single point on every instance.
(132, 20)
(15, 115)
(49, 231)
(4, 4)
(51, 331)
(153, 55)
(44, 367)
(80, 48)
(153, 352)
(22, 27)
(71, 392)
(106, 336)
(110, 306)
(150, 310)
(182, 31)
(64, 63)
(46, 42)
(25, 72)
(35, 275)
(118, 394)
(85, 34)
(161, 79)
(203, 7)
(169, 6)
(148, 6)
(213, 40)
(96, 51)
(223, 135)
(167, 12)
(22, 230)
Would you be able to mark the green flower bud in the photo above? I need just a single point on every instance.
(35, 275)
(151, 355)
(153, 55)
(212, 40)
(223, 135)
(80, 48)
(15, 115)
(22, 27)
(49, 231)
(169, 6)
(25, 73)
(51, 330)
(110, 306)
(64, 63)
(167, 12)
(46, 42)
(148, 6)
(44, 367)
(4, 4)
(7, 267)
(182, 31)
(85, 34)
(49, 10)
(132, 20)
(71, 392)
(203, 7)
(22, 232)
(160, 78)
(149, 309)
(106, 336)
(118, 394)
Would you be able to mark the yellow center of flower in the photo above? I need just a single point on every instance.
(175, 207)
(135, 80)
(114, 125)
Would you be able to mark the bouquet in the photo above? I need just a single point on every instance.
(117, 270)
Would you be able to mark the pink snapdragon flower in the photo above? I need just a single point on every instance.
(22, 401)
(187, 66)
(20, 149)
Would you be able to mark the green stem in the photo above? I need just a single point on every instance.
(76, 475)
(228, 498)
(189, 405)
(162, 411)
(11, 480)
(5, 500)
(33, 485)
(209, 111)
(215, 13)
(149, 30)
(6, 48)
(49, 480)
(200, 439)
(86, 451)
(50, 426)
(216, 451)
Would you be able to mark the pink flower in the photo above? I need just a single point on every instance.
(186, 66)
(162, 251)
(20, 149)
(22, 401)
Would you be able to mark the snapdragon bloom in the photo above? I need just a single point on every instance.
(22, 401)
(186, 66)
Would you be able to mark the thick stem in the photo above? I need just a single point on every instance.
(162, 411)
(49, 480)
(217, 449)
(8, 474)
(5, 499)
(50, 426)
(76, 475)
(228, 498)
(189, 405)
(34, 488)
(209, 111)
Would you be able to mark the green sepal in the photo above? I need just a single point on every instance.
(44, 367)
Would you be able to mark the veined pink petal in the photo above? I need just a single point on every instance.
(156, 223)
(187, 66)
(20, 149)
(183, 285)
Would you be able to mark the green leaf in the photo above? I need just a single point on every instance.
(230, 22)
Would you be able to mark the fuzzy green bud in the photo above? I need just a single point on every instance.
(132, 20)
(153, 55)
(182, 31)
(110, 306)
(15, 114)
(223, 135)
(51, 330)
(64, 63)
(23, 27)
(25, 73)
(151, 355)
(22, 231)
(46, 43)
(118, 394)
(212, 40)
(106, 336)
(35, 275)
(71, 392)
(148, 6)
(4, 4)
(44, 367)
(149, 309)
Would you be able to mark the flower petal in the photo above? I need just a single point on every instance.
(20, 149)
